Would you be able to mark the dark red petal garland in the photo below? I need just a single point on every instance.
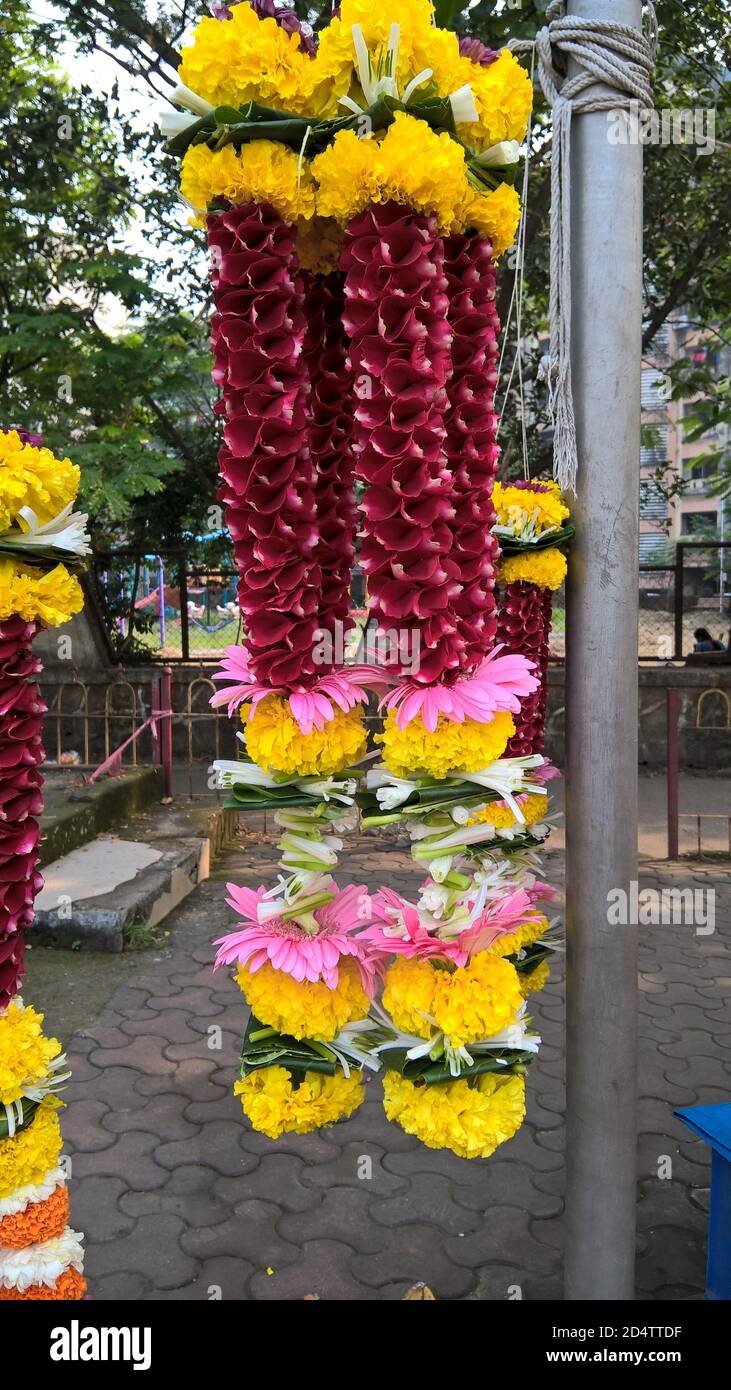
(21, 802)
(472, 451)
(330, 422)
(396, 317)
(524, 625)
(269, 483)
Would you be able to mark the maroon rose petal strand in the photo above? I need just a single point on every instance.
(21, 802)
(472, 451)
(396, 305)
(524, 625)
(269, 479)
(330, 433)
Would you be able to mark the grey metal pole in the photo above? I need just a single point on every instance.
(601, 700)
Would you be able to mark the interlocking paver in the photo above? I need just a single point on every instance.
(343, 1215)
(250, 1230)
(181, 1200)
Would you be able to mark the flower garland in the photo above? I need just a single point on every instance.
(358, 191)
(41, 542)
(532, 523)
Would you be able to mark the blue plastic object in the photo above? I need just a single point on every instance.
(712, 1123)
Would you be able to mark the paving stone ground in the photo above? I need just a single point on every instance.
(180, 1200)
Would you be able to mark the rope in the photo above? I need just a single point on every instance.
(623, 59)
(518, 292)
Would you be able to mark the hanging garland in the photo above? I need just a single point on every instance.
(357, 193)
(41, 541)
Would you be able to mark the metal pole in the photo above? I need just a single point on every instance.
(672, 707)
(601, 701)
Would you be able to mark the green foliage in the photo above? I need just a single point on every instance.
(96, 351)
(103, 341)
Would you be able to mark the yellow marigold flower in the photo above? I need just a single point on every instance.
(495, 215)
(35, 478)
(408, 994)
(438, 49)
(51, 598)
(346, 176)
(503, 97)
(28, 1155)
(452, 747)
(421, 167)
(304, 1010)
(411, 164)
(511, 942)
(275, 1107)
(533, 980)
(468, 1004)
(499, 814)
(246, 59)
(25, 1054)
(478, 1000)
(546, 568)
(262, 171)
(319, 243)
(546, 508)
(274, 740)
(471, 1116)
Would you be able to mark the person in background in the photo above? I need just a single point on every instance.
(704, 642)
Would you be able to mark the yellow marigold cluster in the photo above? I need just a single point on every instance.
(246, 59)
(275, 1106)
(28, 1155)
(50, 598)
(503, 97)
(471, 1116)
(262, 171)
(468, 1004)
(274, 740)
(25, 1054)
(418, 167)
(514, 505)
(33, 477)
(335, 59)
(451, 748)
(304, 1009)
(501, 815)
(533, 980)
(546, 568)
(524, 935)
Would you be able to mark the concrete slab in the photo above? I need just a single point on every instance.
(146, 884)
(75, 811)
(93, 870)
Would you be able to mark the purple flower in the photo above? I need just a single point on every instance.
(477, 52)
(272, 9)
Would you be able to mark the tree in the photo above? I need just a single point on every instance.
(686, 248)
(95, 351)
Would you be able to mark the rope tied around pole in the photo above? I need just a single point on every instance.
(622, 59)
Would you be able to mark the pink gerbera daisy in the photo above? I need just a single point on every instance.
(286, 946)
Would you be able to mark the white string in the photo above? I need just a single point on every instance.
(517, 290)
(623, 59)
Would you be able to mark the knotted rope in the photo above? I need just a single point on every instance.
(623, 60)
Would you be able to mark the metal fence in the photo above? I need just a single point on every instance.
(166, 607)
(173, 609)
(675, 599)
